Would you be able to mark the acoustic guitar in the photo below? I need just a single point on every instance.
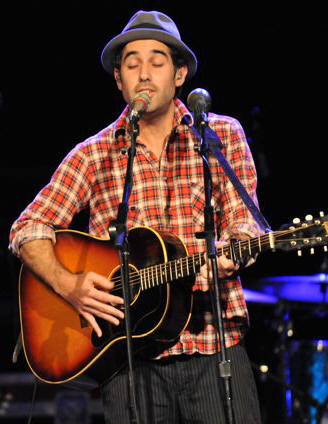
(58, 343)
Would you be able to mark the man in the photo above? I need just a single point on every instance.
(180, 385)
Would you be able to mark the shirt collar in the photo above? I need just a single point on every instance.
(182, 116)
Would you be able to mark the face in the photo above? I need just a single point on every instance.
(146, 66)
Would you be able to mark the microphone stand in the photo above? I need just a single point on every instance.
(118, 231)
(224, 365)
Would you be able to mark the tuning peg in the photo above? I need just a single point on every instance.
(296, 221)
(311, 251)
(325, 248)
(299, 253)
(322, 214)
(309, 218)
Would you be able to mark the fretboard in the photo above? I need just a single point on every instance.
(176, 269)
(238, 250)
(157, 275)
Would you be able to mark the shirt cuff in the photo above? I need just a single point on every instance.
(30, 232)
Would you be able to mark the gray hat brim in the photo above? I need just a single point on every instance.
(109, 52)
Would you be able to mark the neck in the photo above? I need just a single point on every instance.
(155, 127)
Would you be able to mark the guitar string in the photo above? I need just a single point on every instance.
(244, 244)
(188, 261)
(226, 248)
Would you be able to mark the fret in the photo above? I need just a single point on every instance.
(141, 280)
(165, 267)
(148, 269)
(152, 277)
(198, 262)
(176, 269)
(193, 264)
(161, 274)
(145, 277)
(271, 241)
(187, 262)
(249, 247)
(156, 269)
(155, 276)
(181, 262)
(170, 263)
(260, 246)
(240, 252)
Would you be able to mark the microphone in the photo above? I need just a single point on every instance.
(138, 106)
(199, 102)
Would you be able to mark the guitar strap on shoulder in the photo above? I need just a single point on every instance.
(214, 144)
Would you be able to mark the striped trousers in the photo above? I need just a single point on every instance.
(184, 390)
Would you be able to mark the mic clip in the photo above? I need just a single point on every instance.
(134, 116)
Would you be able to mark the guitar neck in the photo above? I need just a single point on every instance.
(308, 234)
(157, 275)
(237, 250)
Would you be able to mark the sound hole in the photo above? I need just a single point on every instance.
(134, 283)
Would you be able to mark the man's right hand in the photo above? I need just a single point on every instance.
(90, 295)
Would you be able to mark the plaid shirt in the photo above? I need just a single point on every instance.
(167, 194)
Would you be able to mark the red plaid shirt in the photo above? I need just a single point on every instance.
(167, 195)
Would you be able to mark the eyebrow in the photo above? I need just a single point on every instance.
(154, 51)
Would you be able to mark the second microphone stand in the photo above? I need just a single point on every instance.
(224, 365)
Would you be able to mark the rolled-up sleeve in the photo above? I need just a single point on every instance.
(67, 193)
(236, 218)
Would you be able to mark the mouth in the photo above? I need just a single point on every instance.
(149, 91)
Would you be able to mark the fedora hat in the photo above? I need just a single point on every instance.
(149, 25)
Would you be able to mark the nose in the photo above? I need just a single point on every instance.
(144, 72)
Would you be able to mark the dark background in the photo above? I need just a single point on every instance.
(266, 68)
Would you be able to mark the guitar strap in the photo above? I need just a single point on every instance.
(215, 145)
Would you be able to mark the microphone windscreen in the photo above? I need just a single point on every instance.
(199, 101)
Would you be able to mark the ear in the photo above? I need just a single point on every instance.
(180, 75)
(117, 76)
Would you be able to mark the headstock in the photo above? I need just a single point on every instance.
(303, 234)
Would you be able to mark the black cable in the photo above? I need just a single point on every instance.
(33, 401)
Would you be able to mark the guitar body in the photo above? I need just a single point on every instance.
(58, 343)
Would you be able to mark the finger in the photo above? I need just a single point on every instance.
(105, 297)
(227, 264)
(107, 317)
(220, 247)
(103, 308)
(250, 262)
(100, 281)
(92, 321)
(220, 243)
(203, 271)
